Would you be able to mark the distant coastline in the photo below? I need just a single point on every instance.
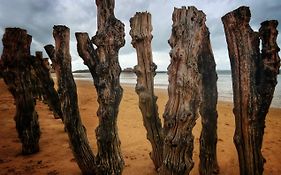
(131, 70)
(126, 70)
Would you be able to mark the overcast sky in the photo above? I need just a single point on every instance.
(39, 16)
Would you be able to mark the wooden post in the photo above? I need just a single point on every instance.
(145, 70)
(190, 54)
(1, 69)
(69, 102)
(16, 65)
(50, 50)
(254, 79)
(104, 67)
(37, 88)
(208, 106)
(47, 83)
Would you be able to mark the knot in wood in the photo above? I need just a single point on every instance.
(102, 68)
(144, 97)
(138, 70)
(139, 88)
(184, 116)
(170, 123)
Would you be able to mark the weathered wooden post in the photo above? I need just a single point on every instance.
(145, 70)
(208, 106)
(104, 67)
(191, 59)
(1, 69)
(254, 79)
(47, 83)
(69, 102)
(16, 70)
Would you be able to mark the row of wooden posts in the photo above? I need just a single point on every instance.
(192, 87)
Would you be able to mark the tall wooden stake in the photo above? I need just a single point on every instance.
(192, 62)
(208, 107)
(16, 67)
(145, 70)
(43, 73)
(69, 102)
(254, 79)
(104, 67)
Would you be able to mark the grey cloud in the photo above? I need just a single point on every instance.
(39, 16)
(124, 9)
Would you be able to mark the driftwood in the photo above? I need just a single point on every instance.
(16, 70)
(145, 70)
(254, 79)
(69, 102)
(49, 92)
(104, 67)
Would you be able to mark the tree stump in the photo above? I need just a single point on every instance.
(69, 102)
(145, 70)
(104, 67)
(254, 79)
(16, 70)
(47, 83)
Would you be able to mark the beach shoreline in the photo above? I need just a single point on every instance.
(55, 156)
(224, 84)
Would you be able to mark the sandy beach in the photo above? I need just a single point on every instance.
(55, 156)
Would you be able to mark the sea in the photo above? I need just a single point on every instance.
(224, 84)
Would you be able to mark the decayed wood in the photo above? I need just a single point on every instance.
(1, 69)
(37, 89)
(16, 70)
(185, 86)
(145, 70)
(69, 102)
(269, 64)
(43, 73)
(50, 50)
(104, 67)
(254, 79)
(208, 107)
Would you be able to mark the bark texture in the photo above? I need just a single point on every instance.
(16, 70)
(208, 107)
(145, 70)
(69, 102)
(185, 85)
(105, 69)
(49, 92)
(254, 79)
